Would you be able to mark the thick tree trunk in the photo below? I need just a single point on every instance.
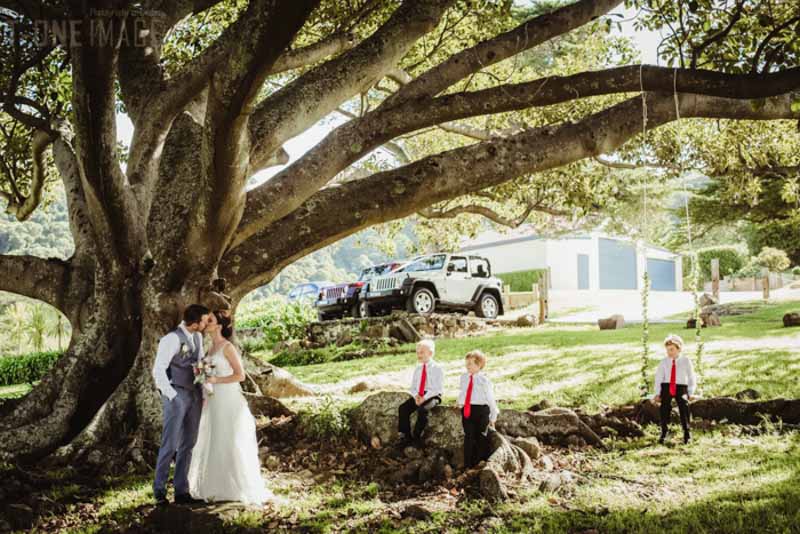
(100, 393)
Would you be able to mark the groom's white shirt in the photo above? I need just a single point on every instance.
(167, 348)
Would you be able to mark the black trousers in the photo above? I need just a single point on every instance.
(666, 406)
(476, 438)
(409, 407)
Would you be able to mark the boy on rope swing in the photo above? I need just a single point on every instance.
(675, 379)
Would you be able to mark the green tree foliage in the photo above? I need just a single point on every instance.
(731, 260)
(277, 320)
(26, 368)
(773, 259)
(731, 36)
(779, 234)
(520, 280)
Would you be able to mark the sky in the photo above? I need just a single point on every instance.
(646, 42)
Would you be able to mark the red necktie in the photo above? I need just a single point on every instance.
(468, 399)
(673, 388)
(423, 379)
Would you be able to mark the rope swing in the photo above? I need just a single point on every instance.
(645, 291)
(695, 269)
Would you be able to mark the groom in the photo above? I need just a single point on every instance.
(181, 400)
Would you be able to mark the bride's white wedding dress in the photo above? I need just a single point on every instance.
(225, 464)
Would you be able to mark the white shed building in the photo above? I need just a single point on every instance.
(588, 262)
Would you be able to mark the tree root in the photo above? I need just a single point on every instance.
(720, 409)
(505, 460)
(552, 425)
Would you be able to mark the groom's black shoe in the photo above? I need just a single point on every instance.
(161, 500)
(186, 499)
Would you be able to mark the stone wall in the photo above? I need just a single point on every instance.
(401, 326)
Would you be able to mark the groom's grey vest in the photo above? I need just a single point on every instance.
(180, 371)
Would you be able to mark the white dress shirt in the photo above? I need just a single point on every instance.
(482, 393)
(167, 348)
(684, 373)
(434, 380)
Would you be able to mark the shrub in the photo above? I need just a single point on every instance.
(331, 353)
(521, 280)
(325, 420)
(750, 269)
(773, 259)
(26, 368)
(796, 270)
(277, 319)
(730, 258)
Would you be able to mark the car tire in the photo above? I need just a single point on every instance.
(421, 301)
(322, 317)
(362, 309)
(488, 307)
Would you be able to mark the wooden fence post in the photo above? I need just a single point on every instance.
(765, 283)
(715, 278)
(544, 296)
(541, 295)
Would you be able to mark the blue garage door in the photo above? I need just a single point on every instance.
(662, 274)
(617, 263)
(583, 271)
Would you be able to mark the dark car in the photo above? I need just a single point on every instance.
(345, 299)
(307, 291)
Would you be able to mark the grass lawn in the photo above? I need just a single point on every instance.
(722, 482)
(10, 392)
(578, 365)
(726, 480)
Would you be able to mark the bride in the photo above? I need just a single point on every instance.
(225, 464)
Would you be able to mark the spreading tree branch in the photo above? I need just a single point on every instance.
(488, 213)
(400, 192)
(358, 137)
(22, 207)
(36, 278)
(316, 93)
(492, 51)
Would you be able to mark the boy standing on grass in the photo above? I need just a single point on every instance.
(478, 409)
(675, 379)
(427, 385)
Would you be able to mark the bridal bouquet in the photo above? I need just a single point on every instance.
(202, 370)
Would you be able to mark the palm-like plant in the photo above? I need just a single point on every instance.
(59, 327)
(37, 327)
(15, 323)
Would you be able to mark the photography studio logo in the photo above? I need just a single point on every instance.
(99, 28)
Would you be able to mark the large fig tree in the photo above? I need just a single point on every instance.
(171, 220)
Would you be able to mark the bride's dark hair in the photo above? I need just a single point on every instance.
(225, 322)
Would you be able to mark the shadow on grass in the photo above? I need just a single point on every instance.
(772, 507)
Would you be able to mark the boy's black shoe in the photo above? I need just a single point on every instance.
(686, 438)
(161, 500)
(404, 441)
(186, 499)
(662, 438)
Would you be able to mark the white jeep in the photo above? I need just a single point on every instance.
(441, 281)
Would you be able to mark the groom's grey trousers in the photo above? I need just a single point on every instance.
(181, 423)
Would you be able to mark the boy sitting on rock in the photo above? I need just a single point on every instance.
(426, 386)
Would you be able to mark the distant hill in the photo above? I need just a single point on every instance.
(46, 234)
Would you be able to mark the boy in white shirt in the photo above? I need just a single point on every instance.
(427, 385)
(478, 409)
(675, 379)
